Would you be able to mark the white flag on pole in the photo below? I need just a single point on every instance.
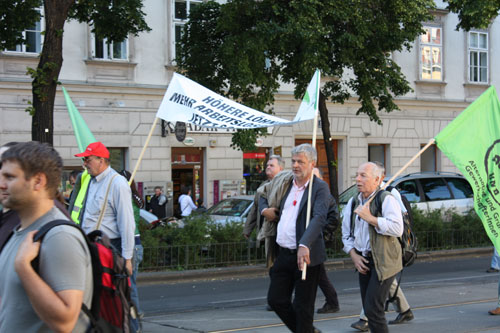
(188, 101)
(309, 105)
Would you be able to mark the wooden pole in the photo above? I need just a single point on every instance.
(309, 195)
(143, 150)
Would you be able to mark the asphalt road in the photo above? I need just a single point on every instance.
(446, 296)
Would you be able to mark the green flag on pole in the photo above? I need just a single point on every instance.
(82, 132)
(472, 143)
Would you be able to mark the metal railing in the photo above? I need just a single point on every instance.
(183, 257)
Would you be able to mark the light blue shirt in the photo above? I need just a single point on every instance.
(118, 220)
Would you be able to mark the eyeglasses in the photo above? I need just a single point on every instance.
(88, 159)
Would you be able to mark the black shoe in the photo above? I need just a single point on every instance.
(327, 308)
(268, 308)
(402, 317)
(361, 325)
(492, 270)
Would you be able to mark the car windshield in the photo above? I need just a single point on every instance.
(348, 194)
(230, 207)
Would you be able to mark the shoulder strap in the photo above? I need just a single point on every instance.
(35, 263)
(379, 199)
(43, 231)
(103, 209)
(354, 203)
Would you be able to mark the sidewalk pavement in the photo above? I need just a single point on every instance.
(261, 270)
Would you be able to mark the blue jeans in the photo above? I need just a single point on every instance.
(135, 325)
(138, 255)
(495, 260)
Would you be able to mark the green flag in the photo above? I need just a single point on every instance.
(82, 132)
(472, 143)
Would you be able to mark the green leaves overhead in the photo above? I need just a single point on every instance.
(15, 17)
(474, 13)
(112, 20)
(243, 49)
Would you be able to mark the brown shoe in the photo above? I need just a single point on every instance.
(495, 312)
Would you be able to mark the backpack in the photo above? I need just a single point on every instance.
(408, 240)
(331, 225)
(111, 308)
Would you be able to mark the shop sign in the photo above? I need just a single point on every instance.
(254, 155)
(191, 128)
(189, 141)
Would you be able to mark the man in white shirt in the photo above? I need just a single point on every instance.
(370, 238)
(400, 303)
(299, 245)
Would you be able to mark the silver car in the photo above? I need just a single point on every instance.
(234, 209)
(429, 191)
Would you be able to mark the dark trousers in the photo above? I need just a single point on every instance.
(373, 295)
(327, 287)
(285, 278)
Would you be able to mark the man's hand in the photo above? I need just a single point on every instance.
(365, 214)
(28, 250)
(271, 214)
(246, 236)
(128, 266)
(303, 256)
(359, 262)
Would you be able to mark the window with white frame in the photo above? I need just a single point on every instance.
(180, 10)
(431, 54)
(102, 49)
(478, 57)
(33, 39)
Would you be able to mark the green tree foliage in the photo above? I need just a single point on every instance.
(15, 17)
(474, 13)
(244, 49)
(113, 20)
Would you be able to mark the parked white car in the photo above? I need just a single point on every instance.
(234, 209)
(429, 191)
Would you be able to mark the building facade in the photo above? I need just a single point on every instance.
(118, 88)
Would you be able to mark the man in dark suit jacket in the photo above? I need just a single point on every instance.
(299, 245)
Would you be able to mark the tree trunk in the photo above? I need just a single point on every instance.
(330, 156)
(45, 79)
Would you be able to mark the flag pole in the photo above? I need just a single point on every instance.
(431, 141)
(309, 195)
(143, 150)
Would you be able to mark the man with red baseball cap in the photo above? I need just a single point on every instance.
(87, 201)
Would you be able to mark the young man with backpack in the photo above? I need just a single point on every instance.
(373, 243)
(400, 303)
(51, 296)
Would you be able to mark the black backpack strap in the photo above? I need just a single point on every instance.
(38, 237)
(353, 206)
(393, 298)
(35, 263)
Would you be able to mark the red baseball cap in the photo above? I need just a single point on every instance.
(95, 149)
